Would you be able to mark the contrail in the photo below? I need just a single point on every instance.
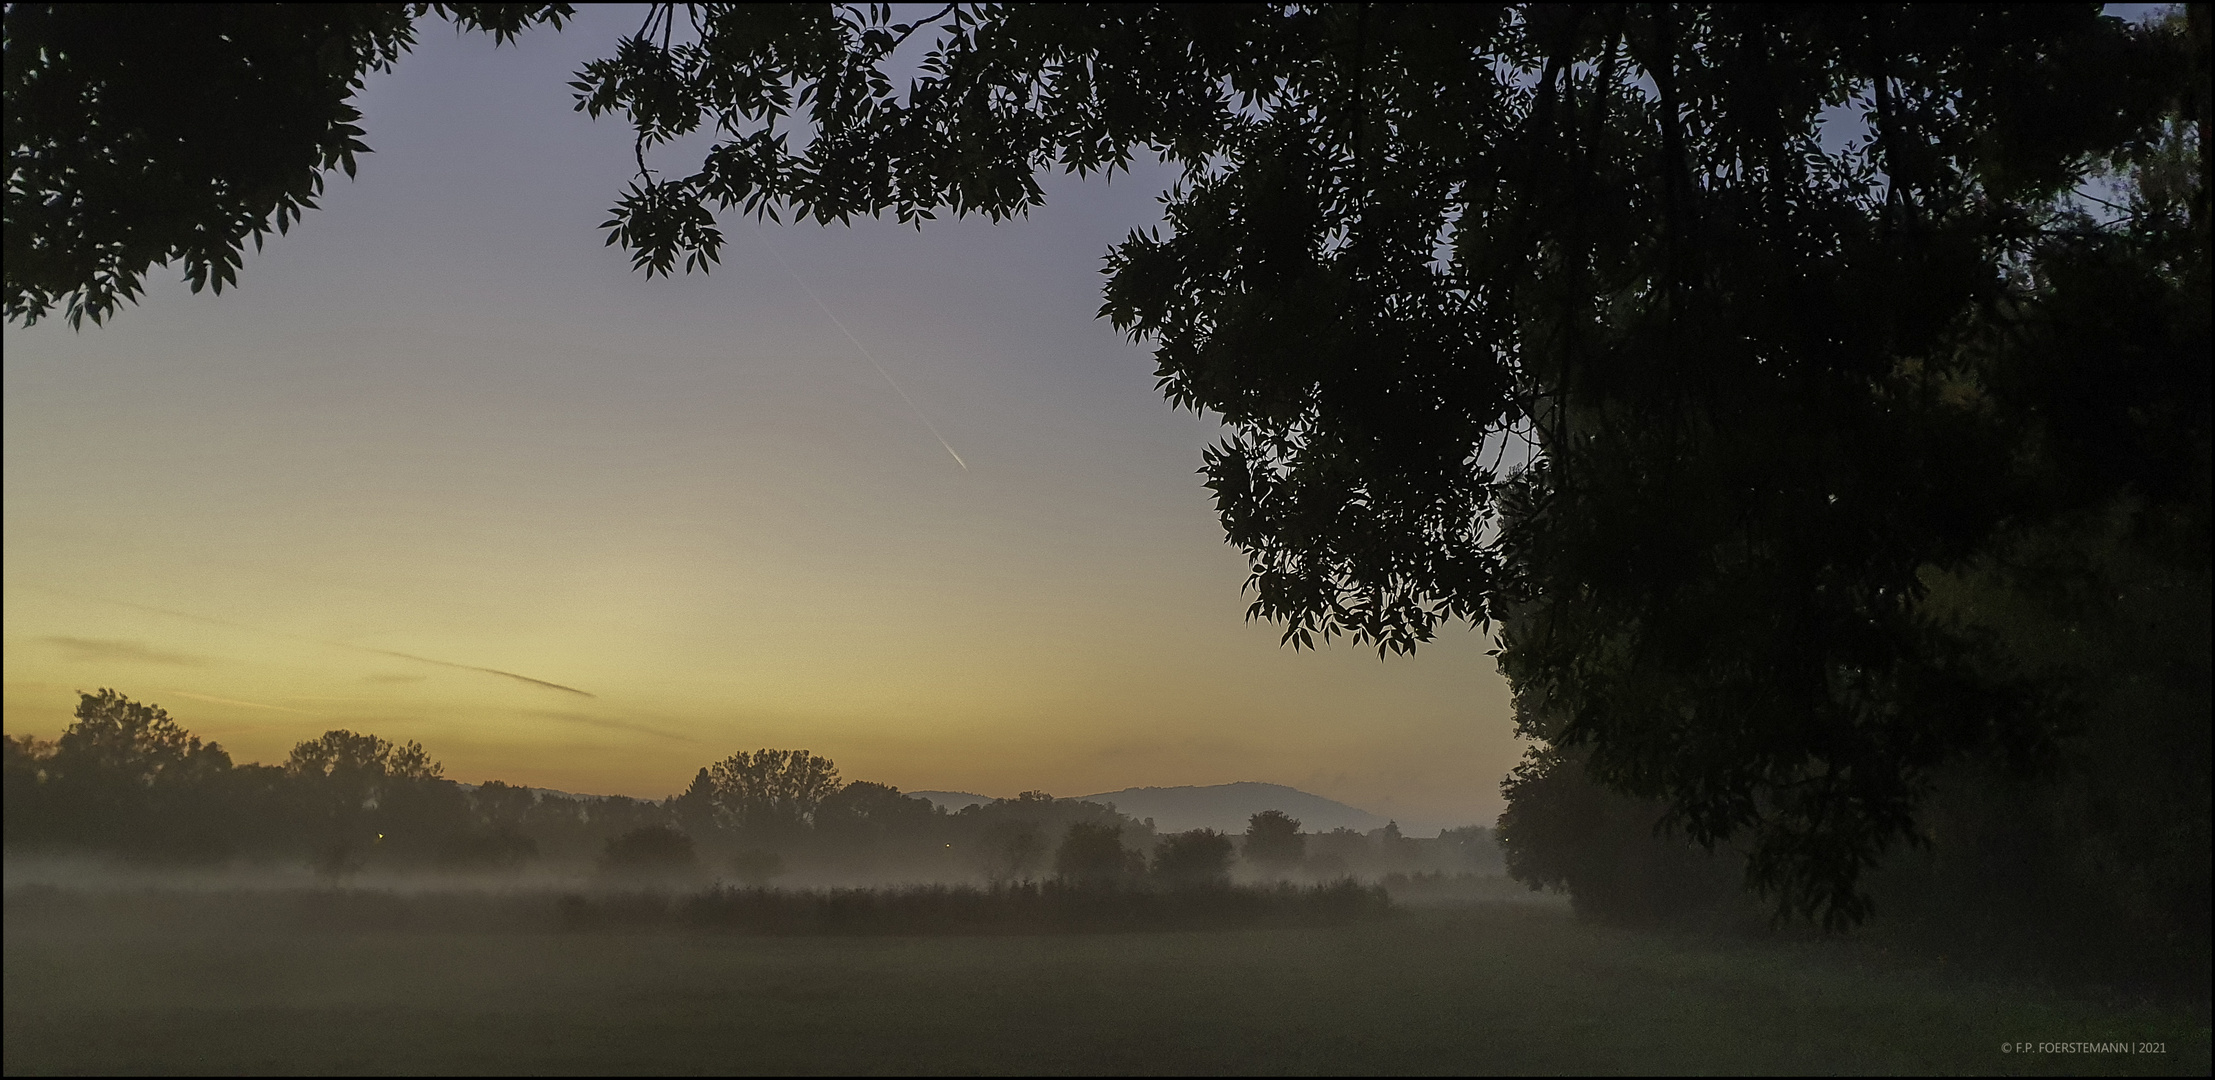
(858, 347)
(318, 641)
(464, 667)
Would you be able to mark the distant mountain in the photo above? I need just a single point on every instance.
(949, 801)
(1225, 807)
(549, 792)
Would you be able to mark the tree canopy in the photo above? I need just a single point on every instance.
(772, 789)
(1688, 344)
(1273, 839)
(141, 135)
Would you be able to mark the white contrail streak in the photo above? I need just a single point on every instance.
(858, 347)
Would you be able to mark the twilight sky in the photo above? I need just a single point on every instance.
(440, 428)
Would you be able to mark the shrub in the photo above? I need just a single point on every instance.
(1093, 854)
(1198, 857)
(651, 851)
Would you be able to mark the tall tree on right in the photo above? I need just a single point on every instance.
(1689, 343)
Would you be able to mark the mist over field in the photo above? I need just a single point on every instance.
(434, 978)
(352, 909)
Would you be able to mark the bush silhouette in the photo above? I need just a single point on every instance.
(1198, 857)
(651, 851)
(1092, 854)
(1274, 842)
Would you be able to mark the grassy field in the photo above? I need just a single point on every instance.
(1484, 988)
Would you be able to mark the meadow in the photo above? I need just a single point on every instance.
(178, 982)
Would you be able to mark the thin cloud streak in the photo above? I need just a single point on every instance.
(105, 649)
(318, 641)
(235, 701)
(466, 667)
(602, 722)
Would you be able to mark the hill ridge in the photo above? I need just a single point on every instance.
(1223, 807)
(1226, 807)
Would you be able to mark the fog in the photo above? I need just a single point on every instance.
(350, 909)
(119, 968)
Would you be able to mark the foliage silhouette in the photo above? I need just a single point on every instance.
(169, 133)
(864, 815)
(126, 775)
(1093, 855)
(1477, 847)
(1015, 850)
(695, 809)
(1198, 857)
(1766, 382)
(654, 851)
(1274, 842)
(771, 791)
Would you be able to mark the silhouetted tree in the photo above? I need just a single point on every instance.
(498, 804)
(362, 791)
(772, 792)
(360, 765)
(1563, 831)
(1014, 850)
(1391, 850)
(1093, 854)
(654, 852)
(1763, 383)
(874, 811)
(614, 815)
(1197, 857)
(496, 833)
(1274, 842)
(262, 813)
(26, 814)
(151, 134)
(128, 777)
(695, 809)
(1341, 852)
(1473, 848)
(995, 838)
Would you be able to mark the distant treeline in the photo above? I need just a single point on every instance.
(1031, 907)
(1048, 907)
(126, 780)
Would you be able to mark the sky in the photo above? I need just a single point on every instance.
(443, 467)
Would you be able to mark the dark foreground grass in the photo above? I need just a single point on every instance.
(1487, 988)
